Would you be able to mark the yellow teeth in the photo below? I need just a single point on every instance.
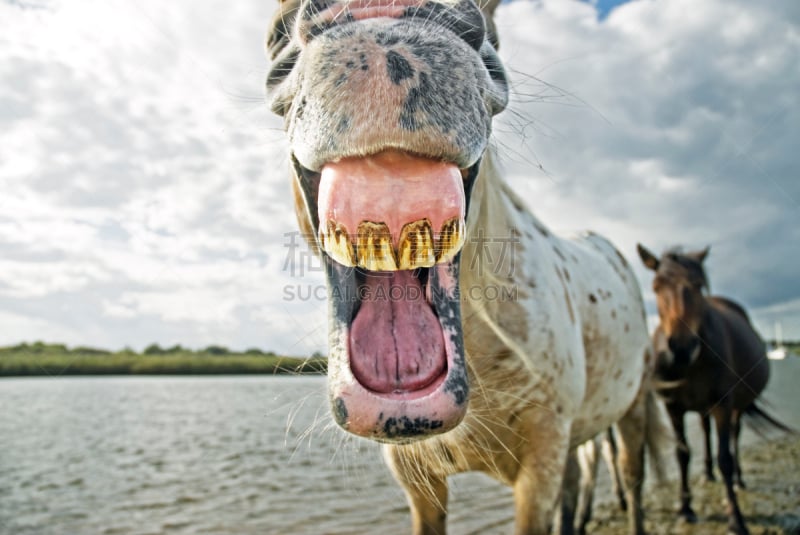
(374, 249)
(451, 239)
(336, 242)
(415, 248)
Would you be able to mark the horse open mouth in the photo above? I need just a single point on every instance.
(388, 109)
(391, 227)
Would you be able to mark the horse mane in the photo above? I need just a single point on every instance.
(731, 305)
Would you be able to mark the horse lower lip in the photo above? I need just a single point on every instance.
(431, 401)
(418, 393)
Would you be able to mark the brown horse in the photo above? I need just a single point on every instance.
(711, 361)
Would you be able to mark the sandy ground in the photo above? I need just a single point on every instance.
(771, 502)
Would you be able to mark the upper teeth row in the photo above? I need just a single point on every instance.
(374, 250)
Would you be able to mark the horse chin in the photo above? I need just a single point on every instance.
(371, 396)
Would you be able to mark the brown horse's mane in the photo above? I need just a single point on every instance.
(730, 305)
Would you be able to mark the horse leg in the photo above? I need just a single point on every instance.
(683, 454)
(705, 419)
(588, 460)
(736, 427)
(610, 454)
(569, 494)
(538, 483)
(426, 493)
(631, 429)
(722, 417)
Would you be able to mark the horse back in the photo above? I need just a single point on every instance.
(724, 302)
(747, 360)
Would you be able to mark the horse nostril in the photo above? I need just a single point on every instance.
(673, 345)
(684, 348)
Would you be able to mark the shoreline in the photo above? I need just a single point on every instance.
(770, 503)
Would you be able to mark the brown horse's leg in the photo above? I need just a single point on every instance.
(426, 492)
(722, 417)
(736, 427)
(705, 419)
(631, 430)
(683, 454)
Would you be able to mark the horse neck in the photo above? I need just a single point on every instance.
(497, 222)
(488, 214)
(708, 314)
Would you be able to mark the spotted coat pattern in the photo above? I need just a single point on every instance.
(550, 366)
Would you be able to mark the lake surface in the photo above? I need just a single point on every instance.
(146, 455)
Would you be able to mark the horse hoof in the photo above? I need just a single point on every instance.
(738, 530)
(710, 478)
(687, 515)
(740, 485)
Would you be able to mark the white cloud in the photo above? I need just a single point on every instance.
(670, 123)
(144, 183)
(22, 327)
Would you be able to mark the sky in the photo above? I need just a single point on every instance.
(604, 7)
(144, 190)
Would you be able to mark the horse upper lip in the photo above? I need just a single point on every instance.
(365, 8)
(468, 26)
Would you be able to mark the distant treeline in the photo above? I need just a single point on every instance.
(40, 358)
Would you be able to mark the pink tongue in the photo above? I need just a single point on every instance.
(396, 342)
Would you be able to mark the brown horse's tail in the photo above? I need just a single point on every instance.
(659, 437)
(762, 422)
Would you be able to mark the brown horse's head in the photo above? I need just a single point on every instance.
(388, 107)
(680, 285)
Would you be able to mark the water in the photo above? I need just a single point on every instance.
(145, 455)
(187, 455)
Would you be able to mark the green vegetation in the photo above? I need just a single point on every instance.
(57, 359)
(39, 358)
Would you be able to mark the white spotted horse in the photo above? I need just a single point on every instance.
(462, 333)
